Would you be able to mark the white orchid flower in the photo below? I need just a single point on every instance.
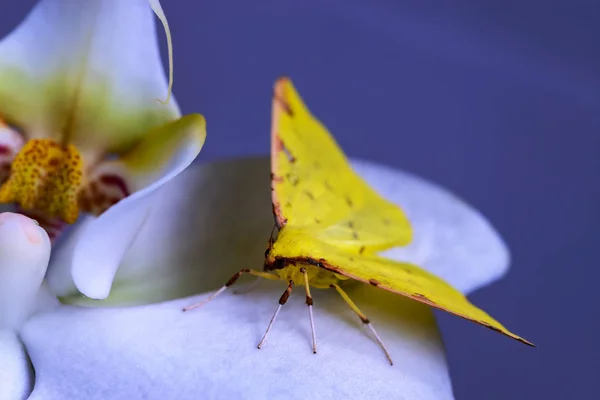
(82, 135)
(78, 82)
(209, 222)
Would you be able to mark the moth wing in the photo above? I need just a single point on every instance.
(314, 186)
(401, 278)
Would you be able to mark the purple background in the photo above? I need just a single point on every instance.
(498, 102)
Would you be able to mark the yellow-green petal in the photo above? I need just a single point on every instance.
(85, 71)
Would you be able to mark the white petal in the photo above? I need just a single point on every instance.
(209, 215)
(16, 376)
(209, 218)
(95, 61)
(24, 255)
(159, 352)
(59, 275)
(451, 238)
(95, 254)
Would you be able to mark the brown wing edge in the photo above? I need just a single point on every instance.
(279, 106)
(420, 298)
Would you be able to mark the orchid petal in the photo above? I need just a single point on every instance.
(96, 255)
(451, 238)
(16, 375)
(159, 352)
(203, 220)
(147, 161)
(24, 254)
(160, 14)
(10, 144)
(88, 71)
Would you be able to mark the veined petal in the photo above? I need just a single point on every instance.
(203, 220)
(159, 352)
(94, 257)
(87, 71)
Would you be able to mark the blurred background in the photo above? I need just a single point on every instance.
(498, 101)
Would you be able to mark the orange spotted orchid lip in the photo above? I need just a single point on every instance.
(45, 176)
(46, 180)
(79, 85)
(89, 130)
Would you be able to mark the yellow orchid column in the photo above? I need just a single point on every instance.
(83, 136)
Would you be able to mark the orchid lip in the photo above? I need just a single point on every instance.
(47, 182)
(45, 176)
(86, 79)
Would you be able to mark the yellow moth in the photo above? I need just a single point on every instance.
(330, 224)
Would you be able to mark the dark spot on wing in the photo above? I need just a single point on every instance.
(317, 221)
(374, 282)
(294, 180)
(280, 146)
(361, 250)
(289, 155)
(276, 178)
(386, 221)
(317, 165)
(355, 235)
(350, 224)
(284, 105)
(327, 185)
(288, 204)
(423, 298)
(309, 195)
(349, 201)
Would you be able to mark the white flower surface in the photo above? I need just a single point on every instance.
(191, 246)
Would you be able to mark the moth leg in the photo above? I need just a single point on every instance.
(364, 319)
(309, 303)
(249, 288)
(229, 283)
(282, 300)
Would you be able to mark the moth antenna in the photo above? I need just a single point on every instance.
(229, 283)
(273, 231)
(364, 320)
(282, 300)
(309, 303)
